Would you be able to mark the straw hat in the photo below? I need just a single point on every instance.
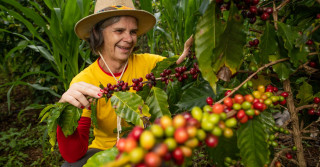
(108, 8)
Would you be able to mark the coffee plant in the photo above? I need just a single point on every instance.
(251, 84)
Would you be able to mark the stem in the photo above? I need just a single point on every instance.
(260, 69)
(306, 106)
(295, 124)
(286, 123)
(275, 16)
(310, 131)
(254, 30)
(309, 138)
(283, 107)
(313, 53)
(231, 113)
(315, 29)
(278, 155)
(315, 122)
(291, 160)
(284, 3)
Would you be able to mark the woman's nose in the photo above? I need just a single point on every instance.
(128, 37)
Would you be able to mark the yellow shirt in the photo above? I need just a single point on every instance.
(138, 66)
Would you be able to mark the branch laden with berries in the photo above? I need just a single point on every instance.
(250, 98)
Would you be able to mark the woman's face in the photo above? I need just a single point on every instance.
(120, 39)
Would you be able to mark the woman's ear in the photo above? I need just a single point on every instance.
(95, 33)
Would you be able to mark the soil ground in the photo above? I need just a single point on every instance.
(28, 148)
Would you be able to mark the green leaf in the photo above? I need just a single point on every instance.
(146, 5)
(144, 93)
(174, 94)
(28, 24)
(288, 35)
(129, 106)
(65, 115)
(49, 106)
(252, 143)
(305, 94)
(203, 7)
(158, 103)
(17, 34)
(52, 123)
(225, 148)
(284, 69)
(102, 157)
(209, 28)
(267, 120)
(195, 96)
(43, 52)
(268, 44)
(36, 86)
(298, 56)
(94, 112)
(39, 87)
(28, 12)
(68, 119)
(301, 79)
(164, 64)
(229, 51)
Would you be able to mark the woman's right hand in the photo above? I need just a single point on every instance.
(78, 92)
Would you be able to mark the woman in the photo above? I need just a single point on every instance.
(112, 33)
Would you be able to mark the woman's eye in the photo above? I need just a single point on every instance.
(133, 32)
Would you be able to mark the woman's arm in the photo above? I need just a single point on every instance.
(75, 146)
(185, 52)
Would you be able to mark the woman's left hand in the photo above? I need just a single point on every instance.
(185, 52)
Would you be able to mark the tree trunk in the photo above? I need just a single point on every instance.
(295, 124)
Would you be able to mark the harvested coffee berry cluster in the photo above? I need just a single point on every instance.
(120, 86)
(254, 43)
(152, 80)
(315, 111)
(165, 76)
(282, 98)
(228, 161)
(169, 141)
(180, 75)
(194, 71)
(191, 55)
(251, 105)
(272, 137)
(137, 84)
(108, 90)
(309, 42)
(312, 64)
(249, 9)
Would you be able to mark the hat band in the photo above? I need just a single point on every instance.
(117, 7)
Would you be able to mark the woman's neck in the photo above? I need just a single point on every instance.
(115, 66)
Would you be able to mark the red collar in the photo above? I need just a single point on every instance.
(115, 74)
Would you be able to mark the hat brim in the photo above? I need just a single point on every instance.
(146, 21)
